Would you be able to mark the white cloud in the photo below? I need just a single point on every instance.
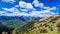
(44, 13)
(11, 14)
(17, 14)
(2, 13)
(41, 5)
(53, 8)
(29, 6)
(24, 10)
(25, 5)
(22, 4)
(46, 7)
(16, 6)
(13, 9)
(9, 1)
(36, 3)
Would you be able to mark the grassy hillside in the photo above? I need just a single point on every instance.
(49, 25)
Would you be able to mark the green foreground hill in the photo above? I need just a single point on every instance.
(45, 25)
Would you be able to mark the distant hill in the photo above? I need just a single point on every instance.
(44, 25)
(10, 20)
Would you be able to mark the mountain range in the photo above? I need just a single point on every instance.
(10, 20)
(41, 26)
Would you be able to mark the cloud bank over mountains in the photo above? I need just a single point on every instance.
(28, 9)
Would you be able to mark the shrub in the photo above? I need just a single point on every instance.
(43, 30)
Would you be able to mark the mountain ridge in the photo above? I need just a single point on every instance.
(10, 20)
(44, 25)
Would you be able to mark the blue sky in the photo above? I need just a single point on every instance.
(29, 7)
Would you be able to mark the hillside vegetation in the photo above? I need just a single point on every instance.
(45, 25)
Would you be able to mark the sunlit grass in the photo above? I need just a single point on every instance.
(53, 32)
